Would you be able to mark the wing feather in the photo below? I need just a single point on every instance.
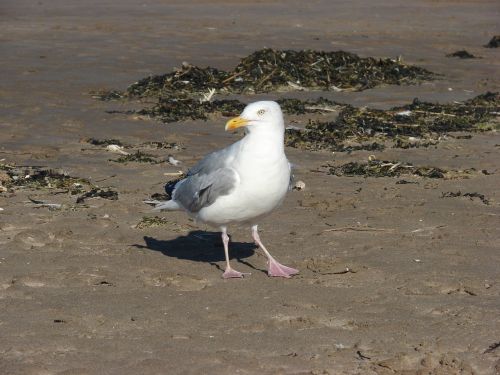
(211, 178)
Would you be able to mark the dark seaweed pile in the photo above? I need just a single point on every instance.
(105, 95)
(187, 80)
(415, 125)
(380, 168)
(494, 42)
(186, 93)
(149, 145)
(275, 70)
(462, 54)
(152, 222)
(471, 196)
(104, 142)
(138, 157)
(267, 70)
(172, 110)
(98, 193)
(416, 121)
(37, 178)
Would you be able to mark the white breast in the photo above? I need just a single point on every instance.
(264, 180)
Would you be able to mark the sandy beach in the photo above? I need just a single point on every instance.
(395, 278)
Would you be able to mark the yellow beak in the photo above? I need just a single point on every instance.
(236, 123)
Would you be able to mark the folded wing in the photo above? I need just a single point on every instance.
(210, 179)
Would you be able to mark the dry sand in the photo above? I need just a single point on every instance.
(82, 291)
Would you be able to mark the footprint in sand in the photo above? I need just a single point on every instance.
(335, 272)
(301, 322)
(32, 238)
(430, 364)
(179, 281)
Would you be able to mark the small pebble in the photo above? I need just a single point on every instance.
(404, 113)
(299, 185)
(173, 161)
(117, 149)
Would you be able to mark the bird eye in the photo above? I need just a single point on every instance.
(260, 112)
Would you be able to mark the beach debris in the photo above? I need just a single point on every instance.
(404, 113)
(187, 81)
(4, 177)
(115, 145)
(116, 149)
(105, 283)
(104, 142)
(138, 157)
(188, 92)
(471, 196)
(299, 185)
(38, 178)
(162, 145)
(494, 42)
(157, 221)
(50, 206)
(173, 160)
(412, 142)
(106, 95)
(152, 222)
(419, 124)
(382, 168)
(492, 347)
(173, 110)
(98, 193)
(208, 95)
(362, 356)
(463, 54)
(406, 182)
(277, 70)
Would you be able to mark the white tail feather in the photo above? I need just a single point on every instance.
(167, 205)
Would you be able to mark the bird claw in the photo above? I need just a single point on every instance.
(279, 270)
(229, 273)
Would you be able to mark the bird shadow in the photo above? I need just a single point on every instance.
(200, 246)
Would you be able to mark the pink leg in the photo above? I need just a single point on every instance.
(275, 269)
(229, 273)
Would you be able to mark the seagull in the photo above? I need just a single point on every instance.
(241, 183)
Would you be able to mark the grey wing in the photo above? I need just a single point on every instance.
(201, 190)
(212, 162)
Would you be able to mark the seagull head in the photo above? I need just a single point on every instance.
(262, 116)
